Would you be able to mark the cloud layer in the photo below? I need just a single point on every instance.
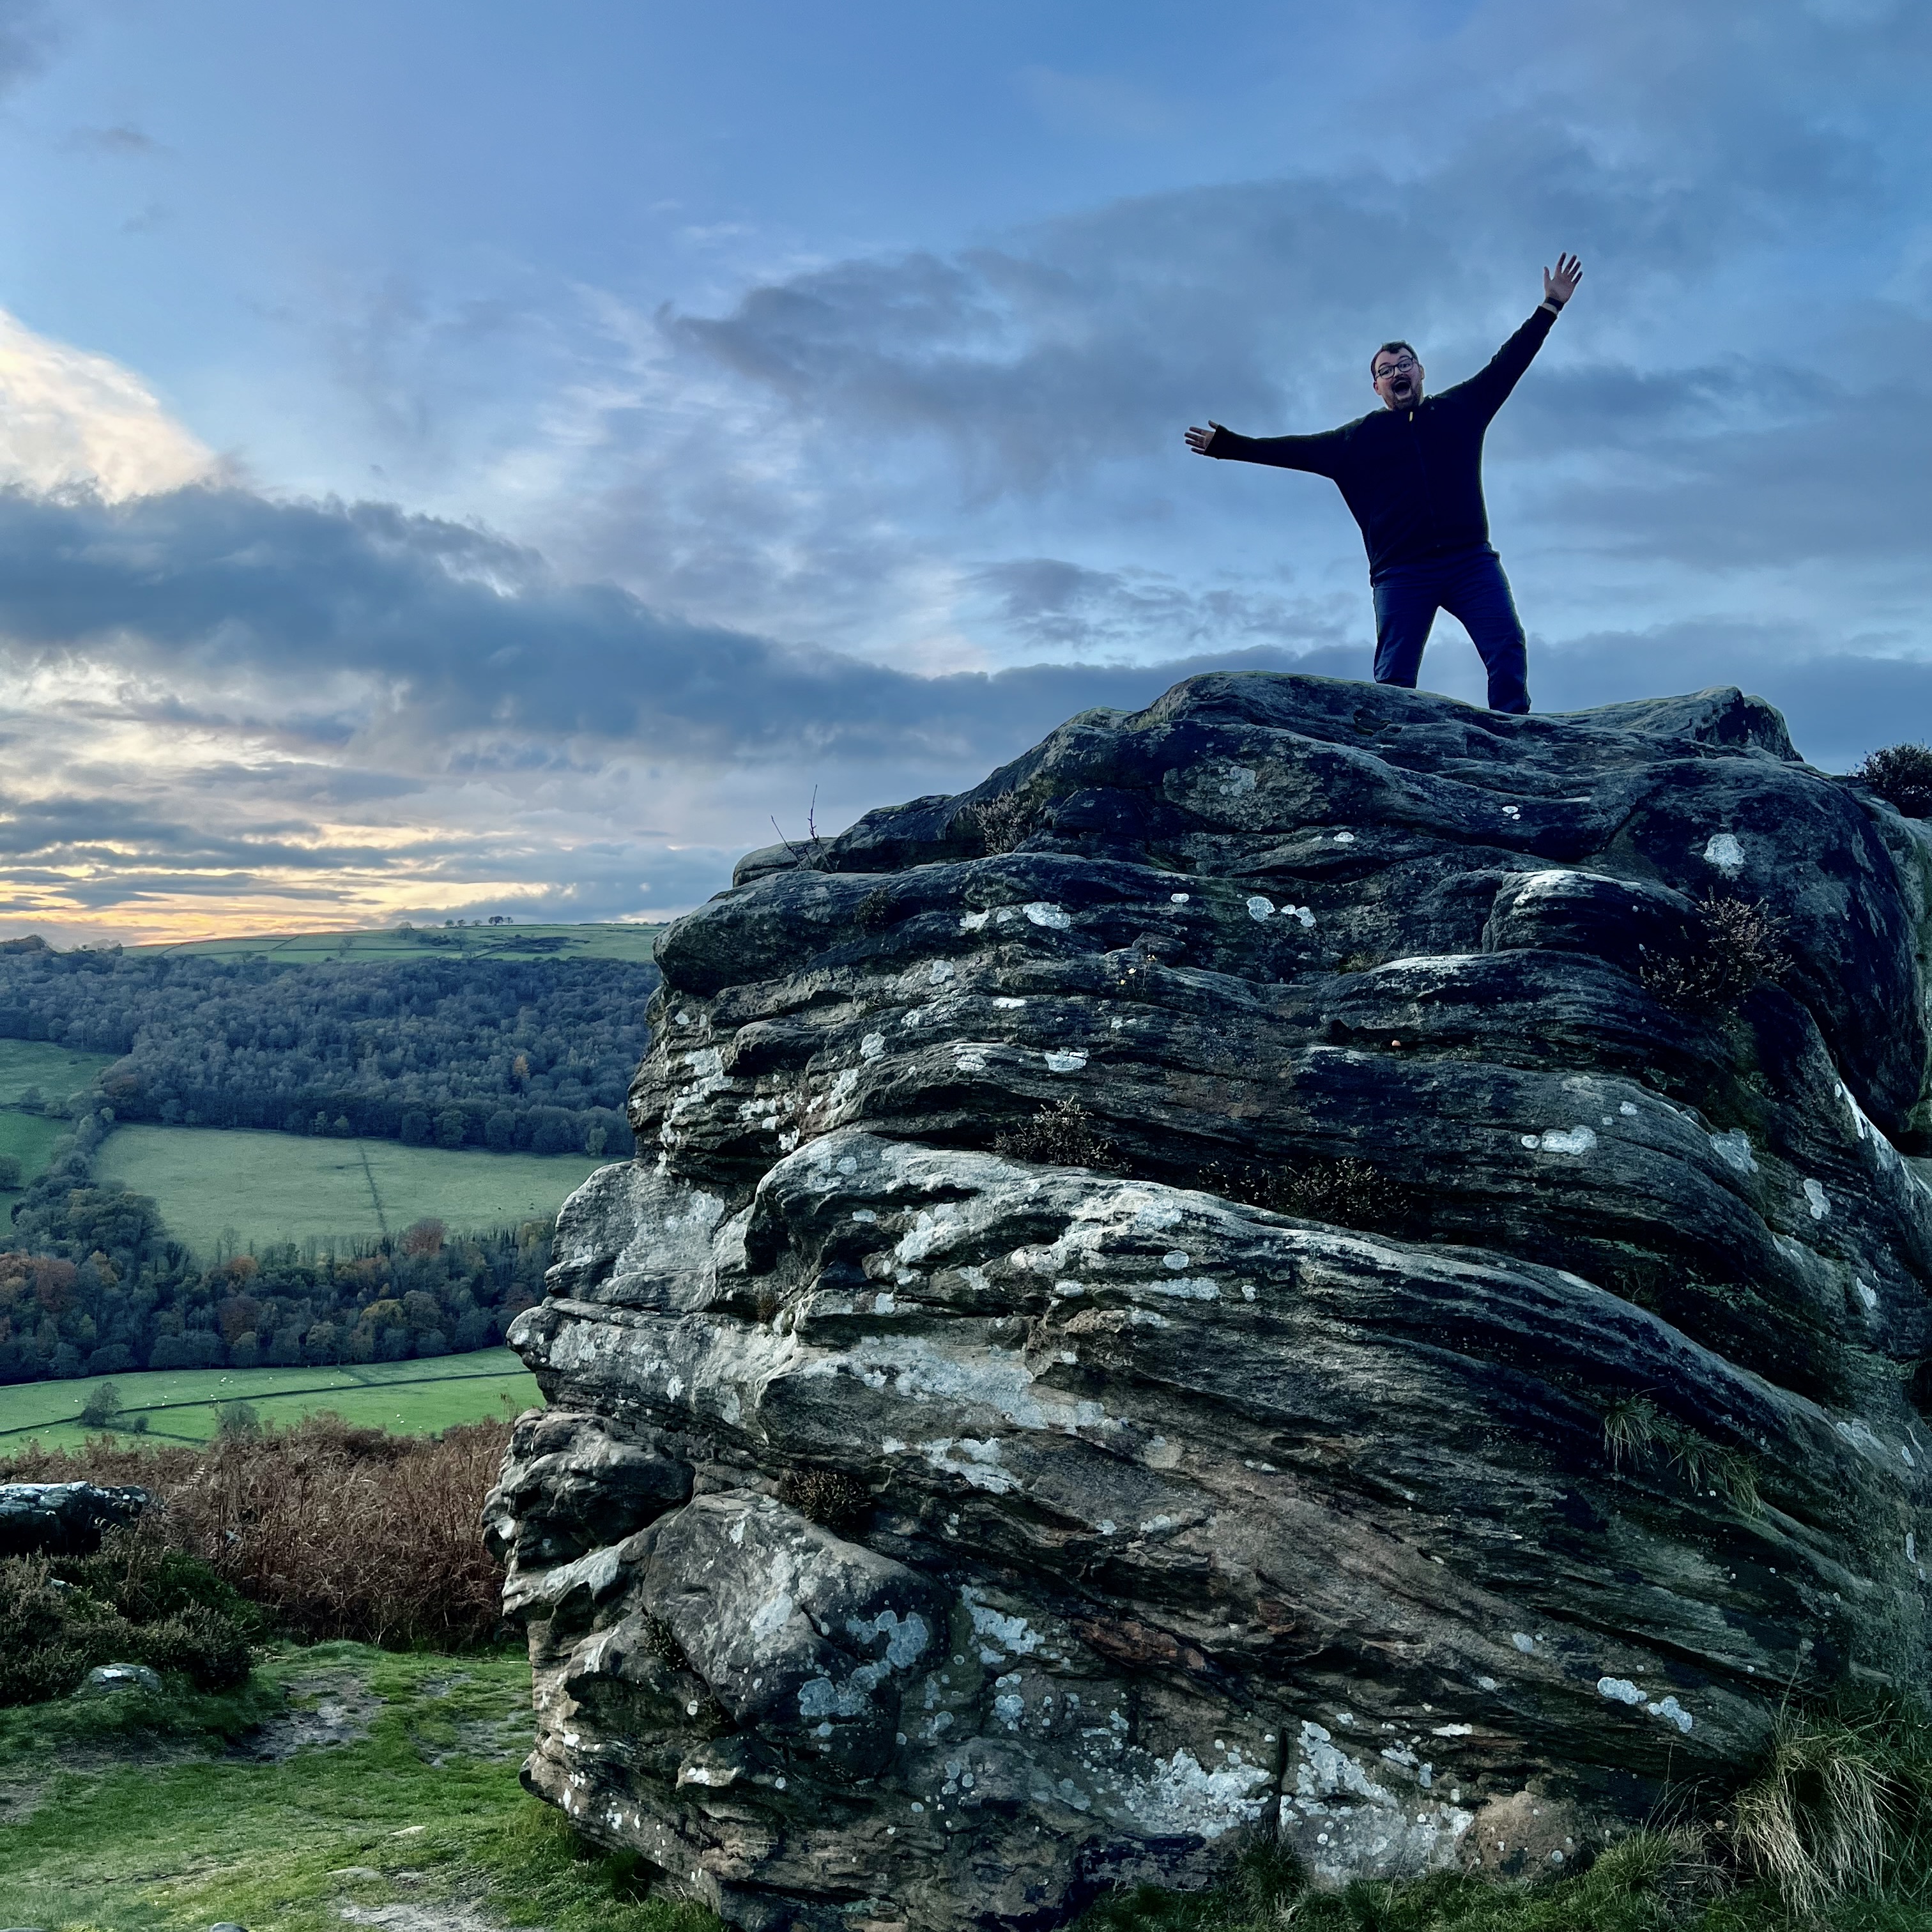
(857, 523)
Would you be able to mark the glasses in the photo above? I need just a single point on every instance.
(1401, 366)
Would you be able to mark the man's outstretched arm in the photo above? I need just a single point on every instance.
(1490, 386)
(1313, 453)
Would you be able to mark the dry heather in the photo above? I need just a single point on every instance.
(335, 1532)
(1739, 944)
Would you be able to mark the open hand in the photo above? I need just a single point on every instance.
(1559, 287)
(1198, 439)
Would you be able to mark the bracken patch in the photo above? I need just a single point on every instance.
(334, 1531)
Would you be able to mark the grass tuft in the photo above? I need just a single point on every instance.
(1820, 1821)
(1636, 1431)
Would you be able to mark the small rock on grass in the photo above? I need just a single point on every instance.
(105, 1679)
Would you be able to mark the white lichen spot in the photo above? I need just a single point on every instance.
(967, 1059)
(1177, 898)
(1043, 912)
(1452, 1731)
(1619, 1691)
(1014, 1635)
(1345, 839)
(1816, 1200)
(1672, 1712)
(1008, 1003)
(871, 1046)
(1237, 781)
(1512, 811)
(1487, 1683)
(1722, 850)
(1177, 1258)
(1865, 1295)
(1179, 1795)
(1261, 908)
(1624, 1108)
(1523, 1641)
(939, 972)
(1305, 914)
(1064, 1060)
(971, 922)
(1734, 1150)
(1579, 1139)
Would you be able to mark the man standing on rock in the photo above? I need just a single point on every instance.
(1412, 475)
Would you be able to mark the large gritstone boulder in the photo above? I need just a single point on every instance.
(1310, 1260)
(63, 1519)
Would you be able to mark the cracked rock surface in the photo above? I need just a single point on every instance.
(927, 1531)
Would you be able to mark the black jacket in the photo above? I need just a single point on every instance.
(1413, 477)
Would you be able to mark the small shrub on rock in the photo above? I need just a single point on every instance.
(1902, 776)
(1062, 1135)
(1346, 1193)
(835, 1501)
(662, 1641)
(874, 913)
(1739, 944)
(1001, 823)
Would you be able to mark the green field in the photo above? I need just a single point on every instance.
(637, 944)
(185, 1404)
(53, 1069)
(250, 1187)
(26, 1064)
(30, 1137)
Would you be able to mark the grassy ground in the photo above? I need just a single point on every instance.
(30, 1138)
(349, 1784)
(53, 1069)
(185, 1405)
(635, 943)
(257, 1189)
(128, 1815)
(57, 1073)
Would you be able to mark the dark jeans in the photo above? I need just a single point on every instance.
(1471, 587)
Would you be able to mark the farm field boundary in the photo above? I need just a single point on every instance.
(224, 1188)
(408, 1398)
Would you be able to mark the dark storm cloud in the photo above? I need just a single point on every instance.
(460, 635)
(1090, 339)
(77, 828)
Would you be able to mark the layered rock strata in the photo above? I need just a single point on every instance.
(926, 1530)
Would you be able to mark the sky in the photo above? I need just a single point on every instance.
(465, 458)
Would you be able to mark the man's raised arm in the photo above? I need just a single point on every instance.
(1313, 453)
(1490, 386)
